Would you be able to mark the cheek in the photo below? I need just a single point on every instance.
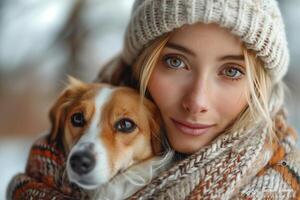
(164, 90)
(71, 135)
(232, 102)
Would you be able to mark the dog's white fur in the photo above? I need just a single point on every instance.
(133, 179)
(100, 172)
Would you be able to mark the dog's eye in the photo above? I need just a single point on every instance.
(125, 125)
(78, 120)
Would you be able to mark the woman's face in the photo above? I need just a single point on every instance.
(199, 85)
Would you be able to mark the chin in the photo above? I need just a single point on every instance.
(186, 147)
(188, 144)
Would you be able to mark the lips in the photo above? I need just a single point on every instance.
(191, 129)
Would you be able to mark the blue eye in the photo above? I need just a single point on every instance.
(174, 62)
(232, 72)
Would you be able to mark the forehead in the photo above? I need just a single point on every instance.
(123, 101)
(103, 96)
(107, 101)
(116, 98)
(91, 97)
(96, 91)
(211, 38)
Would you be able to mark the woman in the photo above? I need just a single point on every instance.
(214, 69)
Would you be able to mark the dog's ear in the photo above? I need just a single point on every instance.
(155, 122)
(156, 137)
(57, 113)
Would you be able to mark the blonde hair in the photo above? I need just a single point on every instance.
(258, 98)
(146, 62)
(259, 81)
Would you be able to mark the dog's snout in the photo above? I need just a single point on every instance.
(88, 146)
(82, 162)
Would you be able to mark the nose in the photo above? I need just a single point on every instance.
(83, 161)
(196, 99)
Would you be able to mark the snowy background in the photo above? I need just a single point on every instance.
(42, 41)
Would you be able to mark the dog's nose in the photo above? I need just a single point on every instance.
(82, 162)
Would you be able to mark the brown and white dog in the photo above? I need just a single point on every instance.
(105, 130)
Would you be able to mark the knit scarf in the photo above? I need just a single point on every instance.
(221, 169)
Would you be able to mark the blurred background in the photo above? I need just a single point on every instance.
(41, 42)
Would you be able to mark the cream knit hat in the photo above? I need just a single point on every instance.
(258, 23)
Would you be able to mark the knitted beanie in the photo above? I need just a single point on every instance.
(258, 23)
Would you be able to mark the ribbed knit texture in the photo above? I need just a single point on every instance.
(236, 166)
(240, 165)
(258, 23)
(45, 177)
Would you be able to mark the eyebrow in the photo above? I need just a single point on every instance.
(188, 51)
(232, 57)
(180, 48)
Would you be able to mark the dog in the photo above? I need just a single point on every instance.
(111, 136)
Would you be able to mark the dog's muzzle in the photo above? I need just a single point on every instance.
(83, 161)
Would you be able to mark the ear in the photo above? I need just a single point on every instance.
(155, 122)
(57, 113)
(74, 83)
